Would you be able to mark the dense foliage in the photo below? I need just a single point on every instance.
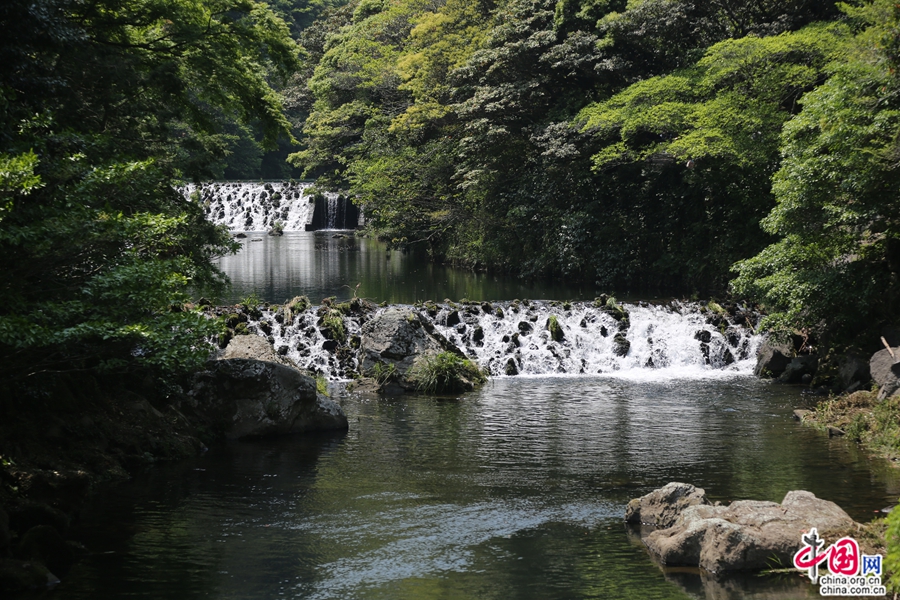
(629, 144)
(104, 105)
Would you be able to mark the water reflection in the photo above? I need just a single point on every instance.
(319, 265)
(515, 491)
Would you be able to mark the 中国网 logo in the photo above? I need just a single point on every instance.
(849, 572)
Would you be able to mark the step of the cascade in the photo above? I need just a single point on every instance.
(590, 339)
(258, 205)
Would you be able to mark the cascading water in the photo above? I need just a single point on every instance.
(512, 338)
(255, 206)
(331, 214)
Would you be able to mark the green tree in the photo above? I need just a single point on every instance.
(834, 268)
(104, 106)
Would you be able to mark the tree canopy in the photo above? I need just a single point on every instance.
(104, 106)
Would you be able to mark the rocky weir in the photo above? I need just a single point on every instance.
(345, 340)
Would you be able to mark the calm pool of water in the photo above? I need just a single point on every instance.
(515, 491)
(319, 265)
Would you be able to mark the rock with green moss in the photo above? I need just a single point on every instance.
(556, 330)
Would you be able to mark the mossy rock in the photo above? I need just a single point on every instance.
(556, 330)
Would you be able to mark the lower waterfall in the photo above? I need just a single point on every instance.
(515, 338)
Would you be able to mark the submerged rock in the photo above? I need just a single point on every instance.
(244, 398)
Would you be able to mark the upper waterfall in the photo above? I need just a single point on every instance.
(255, 206)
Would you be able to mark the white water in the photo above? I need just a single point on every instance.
(663, 341)
(255, 206)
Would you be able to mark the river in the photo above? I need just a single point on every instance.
(517, 490)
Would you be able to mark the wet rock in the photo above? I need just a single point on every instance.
(44, 544)
(621, 345)
(330, 345)
(265, 327)
(745, 535)
(704, 336)
(604, 331)
(452, 319)
(773, 358)
(511, 367)
(396, 337)
(254, 347)
(803, 415)
(477, 334)
(525, 327)
(244, 398)
(853, 369)
(27, 515)
(799, 369)
(661, 508)
(728, 357)
(24, 575)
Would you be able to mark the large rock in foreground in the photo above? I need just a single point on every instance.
(745, 535)
(244, 398)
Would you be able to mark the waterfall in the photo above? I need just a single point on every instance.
(331, 215)
(513, 338)
(255, 206)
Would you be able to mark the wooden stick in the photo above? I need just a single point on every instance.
(888, 346)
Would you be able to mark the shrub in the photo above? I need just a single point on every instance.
(334, 322)
(383, 372)
(445, 372)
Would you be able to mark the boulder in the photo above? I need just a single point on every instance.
(801, 369)
(621, 345)
(882, 366)
(660, 508)
(885, 372)
(254, 347)
(773, 358)
(397, 337)
(23, 575)
(44, 544)
(747, 535)
(245, 398)
(853, 370)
